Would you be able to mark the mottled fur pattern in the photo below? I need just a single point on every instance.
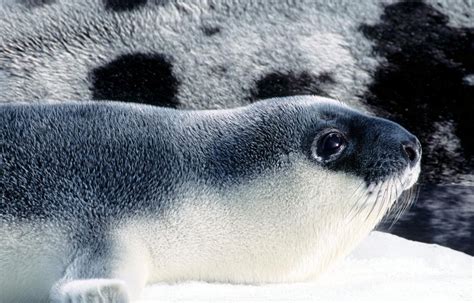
(100, 198)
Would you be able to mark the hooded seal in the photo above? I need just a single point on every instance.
(100, 198)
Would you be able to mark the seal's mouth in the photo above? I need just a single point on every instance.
(403, 193)
(394, 195)
(401, 181)
(408, 194)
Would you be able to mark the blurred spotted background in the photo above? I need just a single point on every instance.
(410, 61)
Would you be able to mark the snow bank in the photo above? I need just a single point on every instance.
(383, 268)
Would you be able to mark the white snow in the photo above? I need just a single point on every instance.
(383, 268)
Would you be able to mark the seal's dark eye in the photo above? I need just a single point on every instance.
(330, 145)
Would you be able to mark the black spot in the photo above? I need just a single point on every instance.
(210, 30)
(422, 81)
(123, 5)
(141, 78)
(289, 84)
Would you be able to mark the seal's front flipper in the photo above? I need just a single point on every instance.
(104, 273)
(91, 291)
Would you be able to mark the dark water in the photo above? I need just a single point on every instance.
(443, 214)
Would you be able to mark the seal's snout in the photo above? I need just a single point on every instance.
(401, 151)
(405, 146)
(412, 150)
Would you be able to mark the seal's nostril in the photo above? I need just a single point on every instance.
(411, 152)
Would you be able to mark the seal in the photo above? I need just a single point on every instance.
(100, 198)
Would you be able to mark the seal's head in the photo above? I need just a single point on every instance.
(378, 155)
(375, 150)
(304, 179)
(382, 155)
